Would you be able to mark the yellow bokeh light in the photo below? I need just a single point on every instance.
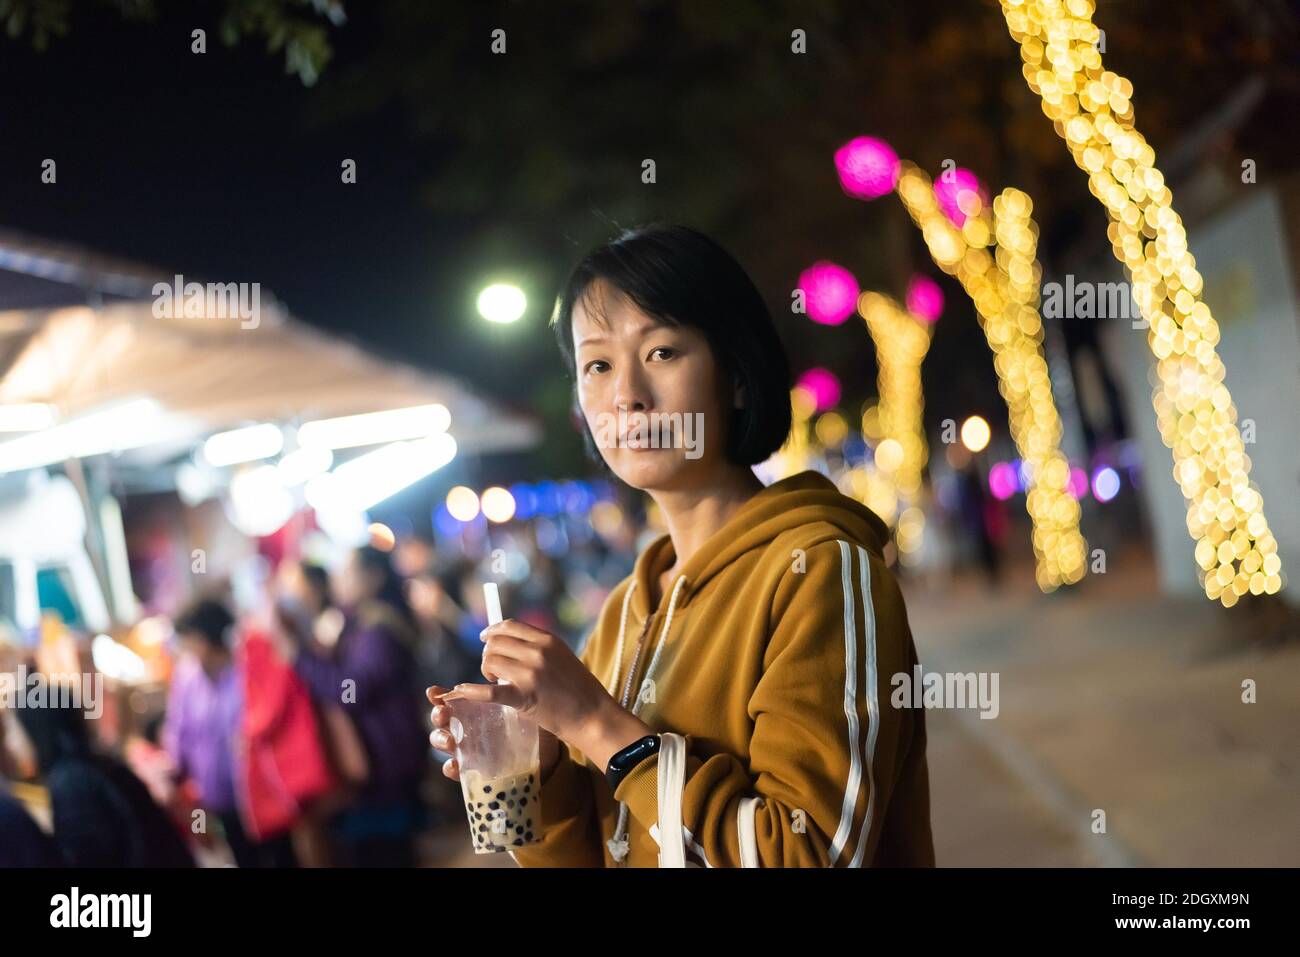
(889, 455)
(462, 503)
(831, 429)
(498, 504)
(975, 434)
(381, 536)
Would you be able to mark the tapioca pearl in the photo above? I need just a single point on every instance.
(501, 795)
(514, 790)
(529, 822)
(487, 789)
(510, 803)
(494, 805)
(518, 842)
(523, 801)
(528, 836)
(482, 827)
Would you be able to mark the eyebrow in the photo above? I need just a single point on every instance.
(648, 327)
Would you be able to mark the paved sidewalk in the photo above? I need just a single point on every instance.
(1113, 697)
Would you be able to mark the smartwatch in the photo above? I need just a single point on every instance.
(628, 758)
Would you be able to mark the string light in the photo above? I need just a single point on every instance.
(902, 341)
(1091, 108)
(1004, 290)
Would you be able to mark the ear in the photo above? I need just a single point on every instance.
(738, 397)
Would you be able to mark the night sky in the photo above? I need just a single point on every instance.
(225, 168)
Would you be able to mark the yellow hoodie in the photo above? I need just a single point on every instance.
(771, 658)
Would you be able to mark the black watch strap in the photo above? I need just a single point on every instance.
(628, 758)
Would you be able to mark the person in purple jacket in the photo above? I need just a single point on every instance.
(371, 673)
(203, 725)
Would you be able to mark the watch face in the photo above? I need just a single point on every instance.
(631, 756)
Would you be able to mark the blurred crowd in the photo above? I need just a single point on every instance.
(294, 732)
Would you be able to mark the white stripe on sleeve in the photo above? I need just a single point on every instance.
(873, 699)
(850, 706)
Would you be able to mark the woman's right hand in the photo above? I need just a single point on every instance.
(548, 745)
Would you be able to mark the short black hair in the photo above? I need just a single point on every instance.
(56, 733)
(681, 277)
(318, 580)
(392, 587)
(209, 619)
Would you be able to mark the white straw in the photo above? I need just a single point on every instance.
(492, 599)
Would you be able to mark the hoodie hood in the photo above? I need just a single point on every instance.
(800, 499)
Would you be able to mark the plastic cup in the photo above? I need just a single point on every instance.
(500, 774)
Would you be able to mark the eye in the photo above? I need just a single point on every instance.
(590, 367)
(666, 350)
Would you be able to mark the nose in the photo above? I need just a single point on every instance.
(631, 390)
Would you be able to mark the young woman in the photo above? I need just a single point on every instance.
(732, 705)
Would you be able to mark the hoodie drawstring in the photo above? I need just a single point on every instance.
(622, 629)
(618, 845)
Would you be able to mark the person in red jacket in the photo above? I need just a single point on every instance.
(371, 672)
(285, 767)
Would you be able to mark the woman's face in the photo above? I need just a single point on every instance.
(654, 398)
(353, 584)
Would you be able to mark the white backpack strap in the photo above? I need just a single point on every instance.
(745, 825)
(672, 782)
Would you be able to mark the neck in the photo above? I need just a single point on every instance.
(693, 515)
(217, 669)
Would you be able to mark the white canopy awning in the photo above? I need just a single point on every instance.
(208, 374)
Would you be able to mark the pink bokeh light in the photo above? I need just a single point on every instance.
(868, 167)
(1078, 482)
(1002, 481)
(924, 298)
(831, 292)
(824, 387)
(959, 193)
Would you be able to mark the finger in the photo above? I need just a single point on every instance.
(442, 740)
(451, 769)
(512, 626)
(434, 693)
(441, 716)
(470, 692)
(516, 672)
(509, 646)
(490, 694)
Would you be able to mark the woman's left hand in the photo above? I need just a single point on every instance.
(548, 682)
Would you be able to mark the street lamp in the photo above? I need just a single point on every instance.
(502, 302)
